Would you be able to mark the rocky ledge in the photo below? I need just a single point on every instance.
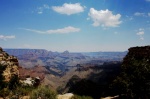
(11, 65)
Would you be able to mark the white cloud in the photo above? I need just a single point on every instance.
(141, 38)
(142, 14)
(104, 18)
(45, 6)
(2, 37)
(41, 9)
(129, 17)
(40, 12)
(139, 14)
(65, 30)
(141, 29)
(140, 33)
(69, 8)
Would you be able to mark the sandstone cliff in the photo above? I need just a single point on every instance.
(11, 63)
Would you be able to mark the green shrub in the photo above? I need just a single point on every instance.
(43, 92)
(14, 82)
(134, 80)
(4, 92)
(23, 91)
(2, 83)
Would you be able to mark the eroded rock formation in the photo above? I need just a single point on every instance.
(11, 63)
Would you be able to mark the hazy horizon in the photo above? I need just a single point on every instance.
(62, 51)
(74, 25)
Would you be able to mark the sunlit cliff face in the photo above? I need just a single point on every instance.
(11, 64)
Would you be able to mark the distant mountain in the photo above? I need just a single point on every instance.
(106, 55)
(35, 52)
(62, 61)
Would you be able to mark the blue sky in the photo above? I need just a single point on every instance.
(74, 25)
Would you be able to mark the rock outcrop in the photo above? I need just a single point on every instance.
(65, 96)
(11, 63)
(37, 71)
(137, 53)
(134, 80)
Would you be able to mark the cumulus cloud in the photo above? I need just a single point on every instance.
(104, 18)
(140, 33)
(69, 8)
(2, 37)
(139, 14)
(65, 30)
